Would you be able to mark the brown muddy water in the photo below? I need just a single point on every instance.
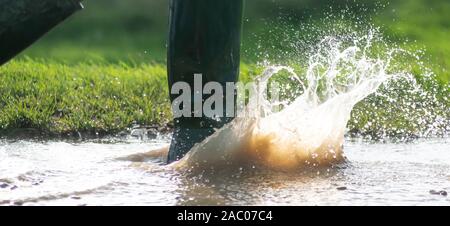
(95, 173)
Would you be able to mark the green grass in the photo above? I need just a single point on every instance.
(103, 70)
(56, 99)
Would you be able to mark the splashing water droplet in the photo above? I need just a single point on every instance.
(341, 72)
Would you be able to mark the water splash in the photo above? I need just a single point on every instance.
(341, 72)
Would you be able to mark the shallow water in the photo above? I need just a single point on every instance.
(92, 173)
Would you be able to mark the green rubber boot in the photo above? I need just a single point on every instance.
(22, 22)
(204, 38)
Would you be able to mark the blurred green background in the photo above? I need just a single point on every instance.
(135, 30)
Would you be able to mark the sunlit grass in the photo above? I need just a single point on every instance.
(57, 98)
(104, 70)
(104, 98)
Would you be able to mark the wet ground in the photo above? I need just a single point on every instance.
(93, 173)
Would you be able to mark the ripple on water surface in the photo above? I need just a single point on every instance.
(61, 173)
